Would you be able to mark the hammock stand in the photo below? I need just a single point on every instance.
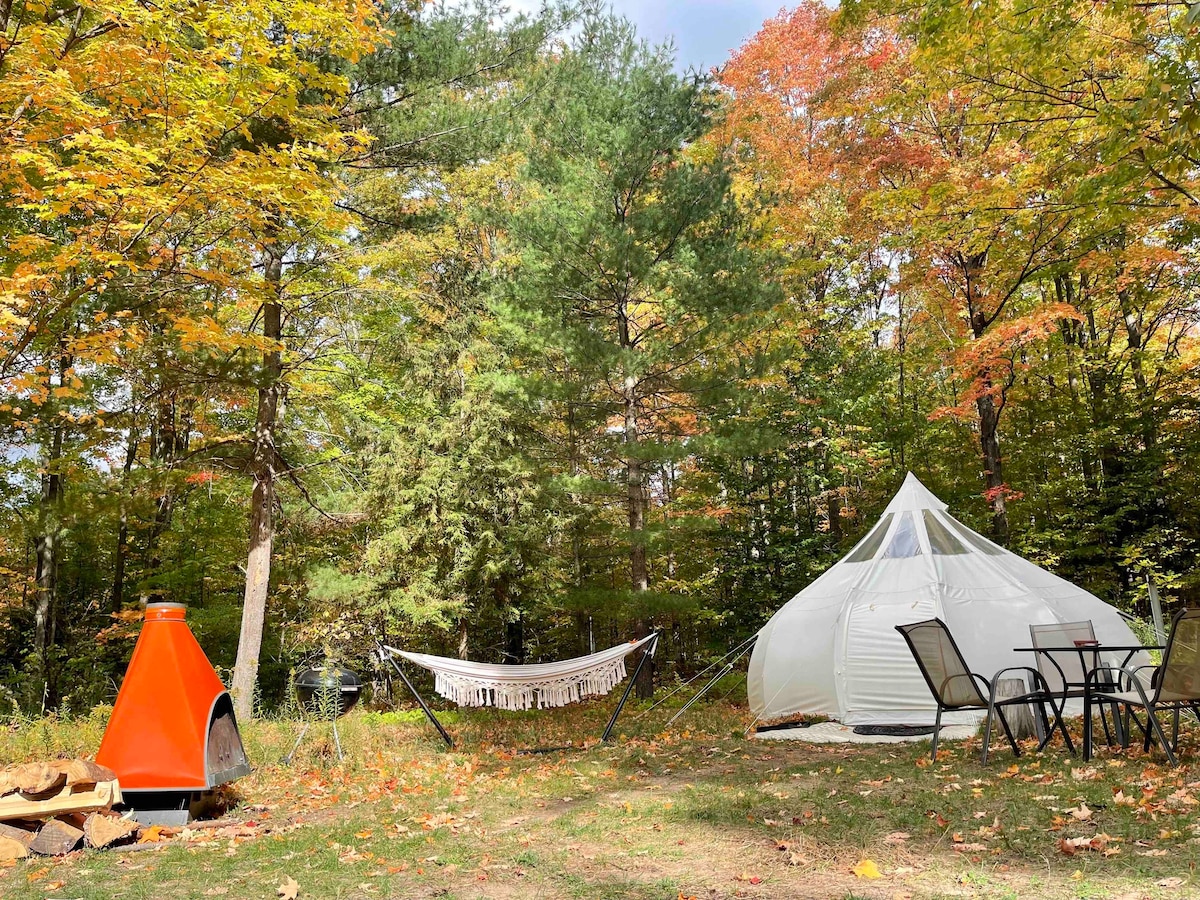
(475, 684)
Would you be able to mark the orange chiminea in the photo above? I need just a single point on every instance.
(172, 734)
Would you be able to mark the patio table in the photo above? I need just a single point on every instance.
(1095, 649)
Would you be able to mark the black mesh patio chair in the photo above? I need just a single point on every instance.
(1175, 686)
(1064, 671)
(955, 687)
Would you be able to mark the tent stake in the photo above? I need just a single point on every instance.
(646, 654)
(421, 700)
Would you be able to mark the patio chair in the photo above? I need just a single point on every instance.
(1064, 671)
(955, 687)
(1175, 686)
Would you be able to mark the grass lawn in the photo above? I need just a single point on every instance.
(701, 812)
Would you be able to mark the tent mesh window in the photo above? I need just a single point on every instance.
(978, 542)
(868, 548)
(904, 541)
(941, 541)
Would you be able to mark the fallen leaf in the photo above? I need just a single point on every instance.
(151, 835)
(1082, 813)
(289, 889)
(867, 869)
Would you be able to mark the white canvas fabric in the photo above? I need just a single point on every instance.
(542, 685)
(833, 649)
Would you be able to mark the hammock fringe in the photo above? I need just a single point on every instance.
(541, 686)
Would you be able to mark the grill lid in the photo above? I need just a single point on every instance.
(328, 690)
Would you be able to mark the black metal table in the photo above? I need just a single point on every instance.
(1094, 649)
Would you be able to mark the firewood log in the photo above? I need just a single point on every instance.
(103, 829)
(56, 838)
(14, 842)
(34, 778)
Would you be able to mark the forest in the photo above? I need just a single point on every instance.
(494, 335)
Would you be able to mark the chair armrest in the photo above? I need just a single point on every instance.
(1040, 685)
(1137, 670)
(1130, 675)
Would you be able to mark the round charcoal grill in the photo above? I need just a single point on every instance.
(328, 691)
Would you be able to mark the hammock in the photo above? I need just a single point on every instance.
(543, 686)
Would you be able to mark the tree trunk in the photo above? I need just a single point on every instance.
(514, 641)
(117, 597)
(635, 501)
(47, 549)
(993, 464)
(1135, 344)
(635, 493)
(262, 513)
(514, 625)
(464, 646)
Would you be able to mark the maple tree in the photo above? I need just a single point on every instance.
(154, 156)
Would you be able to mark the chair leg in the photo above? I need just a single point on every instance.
(937, 729)
(1012, 742)
(1152, 715)
(1087, 726)
(1175, 728)
(1062, 726)
(987, 729)
(1047, 730)
(1104, 724)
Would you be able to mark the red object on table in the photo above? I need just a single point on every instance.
(173, 727)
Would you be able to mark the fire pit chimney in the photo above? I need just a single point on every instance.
(172, 735)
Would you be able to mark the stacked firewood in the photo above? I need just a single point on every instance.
(53, 808)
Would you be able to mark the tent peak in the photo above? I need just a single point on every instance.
(914, 495)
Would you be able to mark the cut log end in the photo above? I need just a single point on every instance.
(56, 838)
(14, 842)
(104, 830)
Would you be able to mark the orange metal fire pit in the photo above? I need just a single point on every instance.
(172, 730)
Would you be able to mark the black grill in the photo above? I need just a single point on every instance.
(329, 691)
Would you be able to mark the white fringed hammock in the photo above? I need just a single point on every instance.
(540, 686)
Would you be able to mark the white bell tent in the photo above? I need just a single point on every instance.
(833, 649)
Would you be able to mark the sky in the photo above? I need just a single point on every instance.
(705, 32)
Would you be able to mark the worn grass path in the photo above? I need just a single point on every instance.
(699, 813)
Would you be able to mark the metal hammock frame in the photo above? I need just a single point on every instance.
(389, 655)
